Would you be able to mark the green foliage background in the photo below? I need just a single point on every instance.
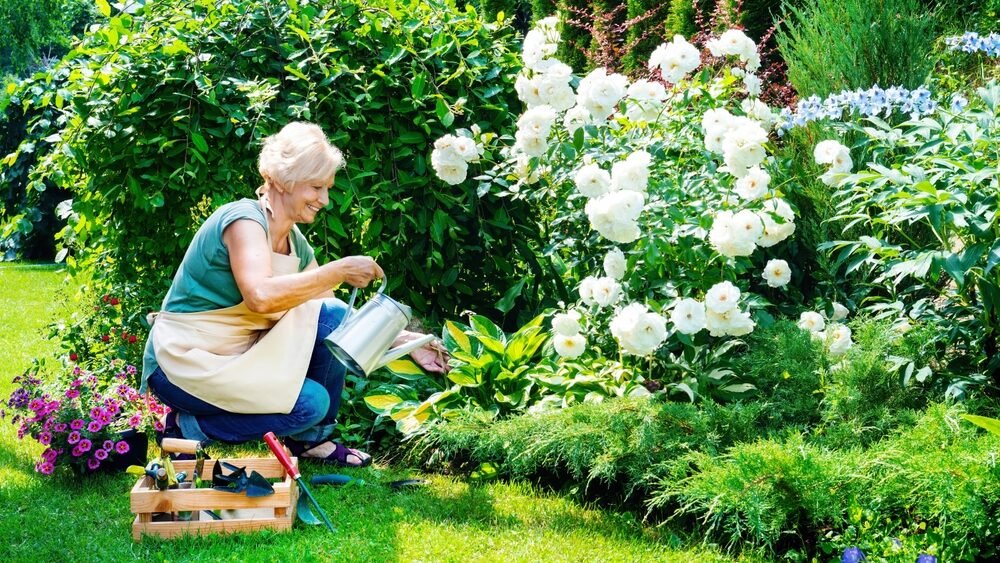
(165, 112)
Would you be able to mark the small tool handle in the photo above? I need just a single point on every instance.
(180, 446)
(279, 452)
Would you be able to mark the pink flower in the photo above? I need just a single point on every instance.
(77, 370)
(72, 393)
(36, 405)
(45, 468)
(45, 438)
(94, 426)
(75, 383)
(73, 437)
(101, 454)
(106, 417)
(109, 445)
(135, 420)
(122, 447)
(60, 427)
(77, 452)
(50, 455)
(84, 445)
(93, 463)
(95, 413)
(77, 424)
(158, 426)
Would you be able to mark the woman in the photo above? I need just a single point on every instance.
(237, 349)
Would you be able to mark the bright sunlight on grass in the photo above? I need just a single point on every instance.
(70, 519)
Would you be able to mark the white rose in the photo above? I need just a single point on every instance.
(675, 59)
(839, 338)
(615, 264)
(555, 93)
(592, 181)
(606, 291)
(777, 273)
(735, 42)
(567, 323)
(840, 312)
(537, 121)
(631, 173)
(577, 117)
(554, 69)
(842, 161)
(740, 323)
(752, 83)
(716, 118)
(826, 151)
(811, 321)
(530, 144)
(569, 346)
(754, 184)
(729, 323)
(722, 297)
(759, 111)
(524, 170)
(688, 316)
(586, 289)
(730, 238)
(600, 92)
(637, 330)
(748, 225)
(449, 166)
(466, 148)
(528, 90)
(645, 101)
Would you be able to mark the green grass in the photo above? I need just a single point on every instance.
(62, 518)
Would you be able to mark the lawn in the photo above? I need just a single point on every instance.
(69, 519)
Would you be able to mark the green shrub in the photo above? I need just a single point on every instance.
(831, 45)
(614, 449)
(790, 495)
(681, 18)
(168, 109)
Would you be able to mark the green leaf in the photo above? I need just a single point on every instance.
(382, 403)
(104, 8)
(405, 368)
(199, 141)
(417, 86)
(507, 302)
(993, 259)
(990, 424)
(454, 338)
(464, 376)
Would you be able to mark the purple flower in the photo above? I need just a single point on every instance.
(76, 370)
(45, 438)
(853, 555)
(50, 455)
(109, 445)
(72, 393)
(60, 427)
(135, 420)
(73, 437)
(77, 452)
(95, 413)
(130, 369)
(94, 426)
(101, 454)
(121, 447)
(45, 468)
(84, 445)
(93, 463)
(105, 417)
(924, 558)
(75, 383)
(76, 424)
(36, 405)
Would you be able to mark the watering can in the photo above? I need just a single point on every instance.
(362, 340)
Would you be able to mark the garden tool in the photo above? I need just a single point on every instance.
(254, 484)
(191, 447)
(302, 507)
(336, 479)
(160, 470)
(362, 339)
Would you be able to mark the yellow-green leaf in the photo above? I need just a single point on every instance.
(382, 403)
(404, 367)
(458, 335)
(990, 424)
(104, 8)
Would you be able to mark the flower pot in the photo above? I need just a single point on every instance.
(138, 448)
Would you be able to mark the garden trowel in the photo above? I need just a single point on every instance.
(302, 507)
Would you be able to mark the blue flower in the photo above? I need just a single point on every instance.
(958, 102)
(924, 558)
(853, 555)
(971, 42)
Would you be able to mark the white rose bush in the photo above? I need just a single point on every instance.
(667, 205)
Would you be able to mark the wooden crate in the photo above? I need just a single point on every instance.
(272, 512)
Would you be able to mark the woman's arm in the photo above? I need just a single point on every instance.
(250, 260)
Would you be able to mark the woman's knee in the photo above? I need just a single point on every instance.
(331, 315)
(313, 403)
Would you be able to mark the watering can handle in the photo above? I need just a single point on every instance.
(354, 294)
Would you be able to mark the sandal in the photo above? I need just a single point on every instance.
(341, 455)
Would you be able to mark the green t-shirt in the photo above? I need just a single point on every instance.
(204, 280)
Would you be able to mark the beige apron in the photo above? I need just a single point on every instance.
(238, 360)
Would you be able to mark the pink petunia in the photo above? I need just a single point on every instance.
(49, 454)
(105, 417)
(75, 383)
(77, 452)
(36, 405)
(158, 426)
(77, 370)
(122, 447)
(72, 393)
(101, 454)
(45, 468)
(134, 420)
(93, 463)
(95, 413)
(77, 424)
(73, 437)
(84, 445)
(60, 427)
(94, 426)
(45, 438)
(109, 445)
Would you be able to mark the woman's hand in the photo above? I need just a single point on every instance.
(358, 271)
(432, 357)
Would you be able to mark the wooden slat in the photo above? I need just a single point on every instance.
(201, 527)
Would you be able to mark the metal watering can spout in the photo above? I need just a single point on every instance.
(362, 340)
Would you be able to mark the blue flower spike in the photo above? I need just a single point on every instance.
(924, 558)
(853, 555)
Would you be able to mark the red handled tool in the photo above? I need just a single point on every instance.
(279, 451)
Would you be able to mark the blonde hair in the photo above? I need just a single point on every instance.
(300, 152)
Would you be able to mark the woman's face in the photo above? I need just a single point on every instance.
(305, 200)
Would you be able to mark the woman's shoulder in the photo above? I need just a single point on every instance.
(241, 209)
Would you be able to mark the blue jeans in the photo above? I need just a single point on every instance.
(311, 419)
